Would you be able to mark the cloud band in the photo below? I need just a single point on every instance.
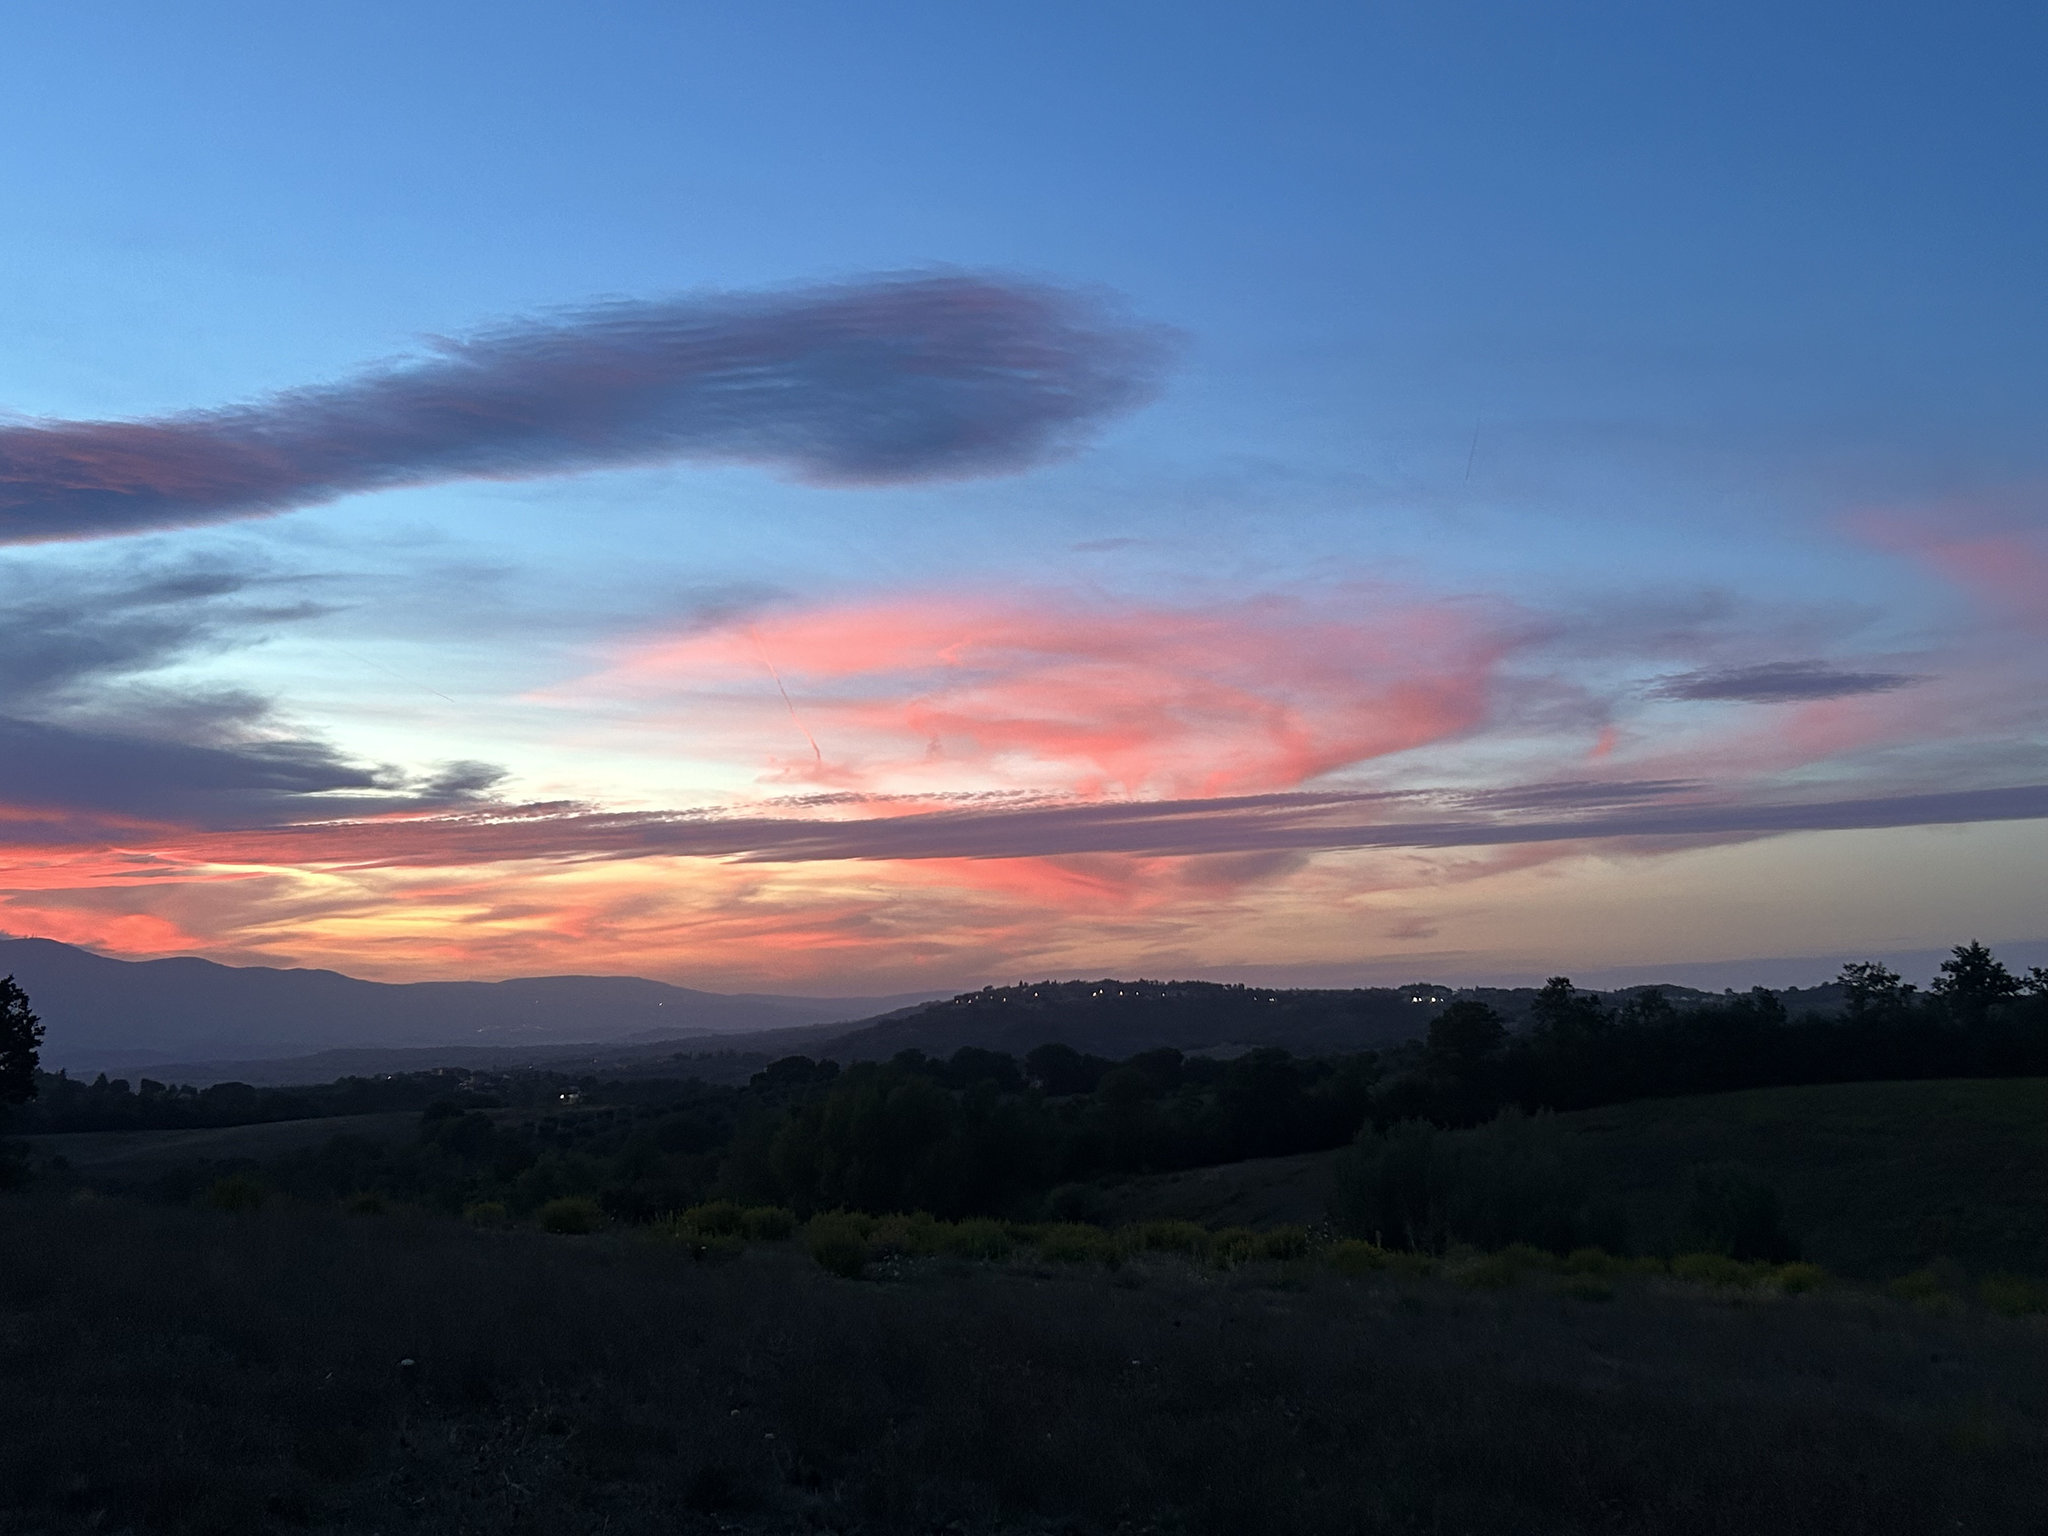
(884, 381)
(1168, 828)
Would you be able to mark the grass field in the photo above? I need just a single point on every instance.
(184, 1370)
(138, 1155)
(1876, 1178)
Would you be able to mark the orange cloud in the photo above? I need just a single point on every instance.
(1054, 692)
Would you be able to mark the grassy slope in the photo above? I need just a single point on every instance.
(1876, 1178)
(140, 1154)
(179, 1370)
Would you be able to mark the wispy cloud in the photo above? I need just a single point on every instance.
(882, 381)
(1050, 690)
(1167, 828)
(1780, 682)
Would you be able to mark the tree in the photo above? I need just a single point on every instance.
(1562, 1010)
(1973, 978)
(1872, 989)
(21, 1034)
(1464, 1035)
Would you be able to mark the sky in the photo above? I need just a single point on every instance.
(813, 498)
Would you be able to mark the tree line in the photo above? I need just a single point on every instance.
(984, 1132)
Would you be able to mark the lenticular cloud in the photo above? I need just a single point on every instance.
(886, 381)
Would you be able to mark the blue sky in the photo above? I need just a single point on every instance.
(1537, 375)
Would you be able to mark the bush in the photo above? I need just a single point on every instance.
(487, 1213)
(768, 1223)
(838, 1243)
(1171, 1237)
(1355, 1256)
(1716, 1269)
(1733, 1212)
(236, 1192)
(2013, 1295)
(1073, 1242)
(1796, 1279)
(571, 1216)
(1931, 1286)
(1233, 1245)
(911, 1236)
(365, 1202)
(1591, 1261)
(978, 1239)
(1284, 1243)
(720, 1218)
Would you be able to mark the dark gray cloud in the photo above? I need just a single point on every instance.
(63, 633)
(1779, 682)
(1248, 824)
(87, 732)
(876, 382)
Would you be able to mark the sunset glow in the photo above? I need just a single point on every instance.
(699, 528)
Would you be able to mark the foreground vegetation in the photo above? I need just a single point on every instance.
(190, 1369)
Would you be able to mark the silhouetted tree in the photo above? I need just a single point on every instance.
(1972, 979)
(1561, 1009)
(1873, 989)
(21, 1037)
(1464, 1035)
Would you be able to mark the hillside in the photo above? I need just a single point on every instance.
(1120, 1018)
(1876, 1178)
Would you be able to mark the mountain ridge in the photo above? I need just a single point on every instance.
(100, 1011)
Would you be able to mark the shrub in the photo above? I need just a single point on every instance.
(236, 1192)
(571, 1216)
(1716, 1269)
(838, 1243)
(1928, 1287)
(720, 1218)
(909, 1236)
(1171, 1237)
(486, 1213)
(1733, 1212)
(978, 1239)
(1284, 1243)
(768, 1223)
(365, 1202)
(2013, 1295)
(1796, 1279)
(1355, 1256)
(1591, 1261)
(1233, 1245)
(1073, 1242)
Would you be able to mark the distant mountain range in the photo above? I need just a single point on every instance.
(100, 1012)
(195, 1021)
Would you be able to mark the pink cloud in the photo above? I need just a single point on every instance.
(1995, 554)
(1055, 692)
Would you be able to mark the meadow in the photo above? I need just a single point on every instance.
(1875, 1179)
(1060, 1295)
(192, 1369)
